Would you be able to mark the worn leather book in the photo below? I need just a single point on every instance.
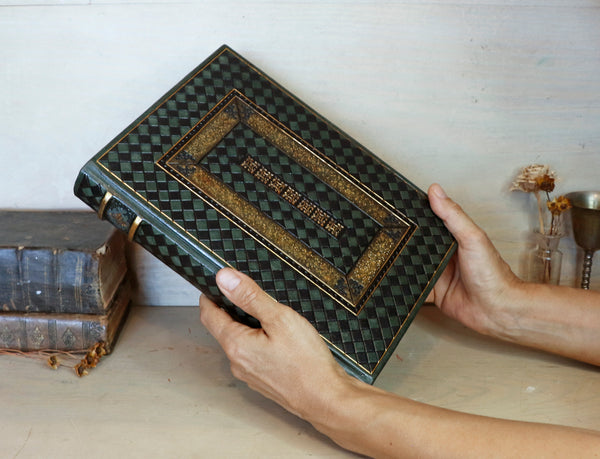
(231, 169)
(65, 332)
(59, 261)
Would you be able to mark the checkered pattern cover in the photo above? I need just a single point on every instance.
(154, 173)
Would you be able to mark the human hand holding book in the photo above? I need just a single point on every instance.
(286, 361)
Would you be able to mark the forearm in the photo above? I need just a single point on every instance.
(378, 424)
(368, 420)
(561, 320)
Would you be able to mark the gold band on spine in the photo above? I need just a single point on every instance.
(107, 197)
(133, 228)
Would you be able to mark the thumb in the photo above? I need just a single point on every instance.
(242, 291)
(454, 217)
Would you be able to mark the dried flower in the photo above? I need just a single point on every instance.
(80, 369)
(53, 362)
(546, 183)
(559, 205)
(537, 178)
(91, 359)
(532, 178)
(51, 357)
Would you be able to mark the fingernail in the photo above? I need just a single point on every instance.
(439, 191)
(228, 279)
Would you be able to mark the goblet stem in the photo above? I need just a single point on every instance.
(587, 269)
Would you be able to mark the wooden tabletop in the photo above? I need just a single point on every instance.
(166, 391)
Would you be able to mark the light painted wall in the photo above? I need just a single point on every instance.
(462, 92)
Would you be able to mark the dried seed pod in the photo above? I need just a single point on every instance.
(53, 362)
(100, 348)
(81, 369)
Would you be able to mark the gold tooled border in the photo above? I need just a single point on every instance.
(369, 268)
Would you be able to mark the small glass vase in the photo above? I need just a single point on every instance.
(545, 260)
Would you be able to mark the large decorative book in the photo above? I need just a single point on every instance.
(230, 169)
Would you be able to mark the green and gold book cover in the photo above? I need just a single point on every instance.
(231, 169)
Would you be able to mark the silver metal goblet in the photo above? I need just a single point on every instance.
(585, 217)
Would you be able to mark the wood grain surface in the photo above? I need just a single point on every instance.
(167, 391)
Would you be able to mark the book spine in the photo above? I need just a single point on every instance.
(50, 280)
(38, 331)
(11, 293)
(38, 275)
(78, 282)
(64, 332)
(87, 281)
(141, 227)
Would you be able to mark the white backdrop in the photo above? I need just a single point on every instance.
(463, 93)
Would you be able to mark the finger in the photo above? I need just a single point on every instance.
(456, 220)
(216, 320)
(246, 294)
(431, 297)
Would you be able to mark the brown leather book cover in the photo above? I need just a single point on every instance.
(65, 332)
(59, 261)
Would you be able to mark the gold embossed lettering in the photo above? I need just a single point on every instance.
(334, 228)
(251, 165)
(306, 207)
(277, 185)
(291, 196)
(264, 175)
(320, 217)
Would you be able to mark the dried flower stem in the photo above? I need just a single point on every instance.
(547, 271)
(42, 354)
(540, 212)
(55, 359)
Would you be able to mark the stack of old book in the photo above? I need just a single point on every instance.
(63, 281)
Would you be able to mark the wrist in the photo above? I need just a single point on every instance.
(506, 306)
(327, 407)
(349, 405)
(518, 317)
